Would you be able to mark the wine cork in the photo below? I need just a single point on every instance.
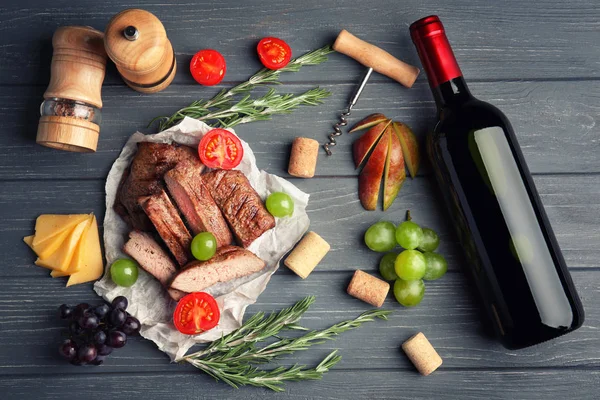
(422, 354)
(307, 254)
(303, 159)
(368, 288)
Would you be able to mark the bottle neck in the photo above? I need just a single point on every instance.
(451, 93)
(444, 75)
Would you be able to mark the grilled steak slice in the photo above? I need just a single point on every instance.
(153, 259)
(168, 223)
(230, 262)
(240, 204)
(144, 178)
(142, 247)
(195, 202)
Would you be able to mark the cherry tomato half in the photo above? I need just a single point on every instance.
(195, 313)
(274, 53)
(208, 67)
(220, 148)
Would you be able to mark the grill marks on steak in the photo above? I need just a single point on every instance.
(144, 178)
(193, 199)
(168, 223)
(230, 262)
(142, 247)
(209, 202)
(241, 206)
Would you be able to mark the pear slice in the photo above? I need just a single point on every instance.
(364, 144)
(369, 180)
(368, 122)
(410, 147)
(394, 173)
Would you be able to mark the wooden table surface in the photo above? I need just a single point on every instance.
(538, 61)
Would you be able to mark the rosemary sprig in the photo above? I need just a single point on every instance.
(289, 345)
(261, 109)
(244, 375)
(258, 328)
(270, 76)
(232, 358)
(223, 103)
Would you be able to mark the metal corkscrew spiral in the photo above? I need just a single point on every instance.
(337, 128)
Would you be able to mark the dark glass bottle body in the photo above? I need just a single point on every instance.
(513, 255)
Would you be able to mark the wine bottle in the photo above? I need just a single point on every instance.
(514, 257)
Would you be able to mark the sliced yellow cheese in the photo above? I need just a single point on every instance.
(46, 248)
(92, 266)
(47, 226)
(55, 274)
(78, 257)
(61, 258)
(29, 241)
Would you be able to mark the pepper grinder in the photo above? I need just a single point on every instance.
(70, 114)
(137, 42)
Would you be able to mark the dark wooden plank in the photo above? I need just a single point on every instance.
(572, 203)
(367, 384)
(448, 315)
(337, 384)
(554, 121)
(519, 40)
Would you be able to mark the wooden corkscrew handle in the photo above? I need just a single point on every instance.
(376, 58)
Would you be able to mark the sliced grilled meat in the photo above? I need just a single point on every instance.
(230, 262)
(176, 294)
(142, 247)
(168, 223)
(153, 259)
(187, 188)
(144, 178)
(241, 206)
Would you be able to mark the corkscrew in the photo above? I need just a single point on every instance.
(375, 59)
(337, 128)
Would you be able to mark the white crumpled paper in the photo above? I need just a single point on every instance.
(148, 301)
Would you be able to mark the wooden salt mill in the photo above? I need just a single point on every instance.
(137, 42)
(70, 113)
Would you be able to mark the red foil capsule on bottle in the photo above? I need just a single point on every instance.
(435, 52)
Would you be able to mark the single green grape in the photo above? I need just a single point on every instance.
(280, 204)
(124, 272)
(409, 235)
(380, 236)
(204, 246)
(409, 293)
(430, 240)
(436, 266)
(387, 267)
(410, 265)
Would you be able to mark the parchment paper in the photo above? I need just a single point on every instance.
(148, 301)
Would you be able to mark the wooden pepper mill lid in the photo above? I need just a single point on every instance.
(71, 110)
(137, 43)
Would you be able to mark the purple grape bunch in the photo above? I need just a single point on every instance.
(95, 331)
